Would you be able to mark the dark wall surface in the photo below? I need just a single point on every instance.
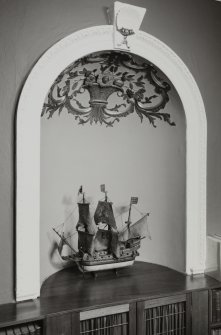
(28, 28)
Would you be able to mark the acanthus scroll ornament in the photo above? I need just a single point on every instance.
(105, 87)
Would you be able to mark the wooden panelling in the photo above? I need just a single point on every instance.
(166, 315)
(165, 301)
(141, 324)
(122, 315)
(132, 319)
(75, 323)
(99, 312)
(61, 324)
(200, 313)
(188, 313)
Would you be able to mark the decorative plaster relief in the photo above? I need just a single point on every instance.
(105, 87)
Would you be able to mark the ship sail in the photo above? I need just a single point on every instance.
(104, 213)
(86, 229)
(61, 244)
(86, 242)
(109, 239)
(102, 240)
(85, 222)
(137, 229)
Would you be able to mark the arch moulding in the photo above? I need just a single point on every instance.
(56, 59)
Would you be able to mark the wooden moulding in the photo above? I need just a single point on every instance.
(104, 312)
(164, 301)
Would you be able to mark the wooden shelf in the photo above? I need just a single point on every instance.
(67, 291)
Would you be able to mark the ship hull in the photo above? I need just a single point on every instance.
(103, 260)
(109, 266)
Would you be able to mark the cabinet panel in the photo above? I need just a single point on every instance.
(163, 316)
(215, 306)
(63, 324)
(32, 328)
(216, 331)
(215, 311)
(114, 320)
(200, 312)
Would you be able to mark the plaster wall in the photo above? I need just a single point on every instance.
(28, 28)
(132, 159)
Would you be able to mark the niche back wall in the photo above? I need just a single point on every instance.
(132, 159)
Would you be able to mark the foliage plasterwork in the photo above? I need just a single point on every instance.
(104, 87)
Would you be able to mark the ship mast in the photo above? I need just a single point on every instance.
(104, 212)
(128, 220)
(133, 200)
(102, 187)
(83, 193)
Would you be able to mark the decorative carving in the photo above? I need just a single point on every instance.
(106, 77)
(125, 32)
(127, 21)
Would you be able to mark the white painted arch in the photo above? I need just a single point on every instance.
(55, 60)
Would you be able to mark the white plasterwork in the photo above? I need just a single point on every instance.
(56, 59)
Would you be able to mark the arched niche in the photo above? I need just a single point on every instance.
(30, 105)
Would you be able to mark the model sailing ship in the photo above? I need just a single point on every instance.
(101, 246)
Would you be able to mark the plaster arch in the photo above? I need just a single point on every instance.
(29, 109)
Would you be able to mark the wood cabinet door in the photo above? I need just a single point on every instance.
(63, 324)
(168, 315)
(112, 320)
(200, 313)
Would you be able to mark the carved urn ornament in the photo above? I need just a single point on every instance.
(107, 86)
